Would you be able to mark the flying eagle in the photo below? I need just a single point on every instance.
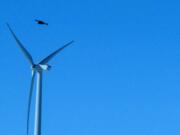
(41, 22)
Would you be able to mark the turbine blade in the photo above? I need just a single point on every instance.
(49, 57)
(20, 45)
(29, 100)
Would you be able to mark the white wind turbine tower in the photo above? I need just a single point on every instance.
(36, 69)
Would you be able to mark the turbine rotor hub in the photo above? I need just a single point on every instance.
(41, 67)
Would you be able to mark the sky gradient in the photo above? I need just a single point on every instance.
(120, 77)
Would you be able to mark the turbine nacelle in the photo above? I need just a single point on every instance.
(41, 67)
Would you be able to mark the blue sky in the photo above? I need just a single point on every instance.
(120, 77)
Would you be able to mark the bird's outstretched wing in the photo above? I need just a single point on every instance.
(49, 57)
(20, 45)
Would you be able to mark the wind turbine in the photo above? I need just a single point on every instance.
(36, 69)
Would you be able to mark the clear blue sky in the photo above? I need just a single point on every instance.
(120, 77)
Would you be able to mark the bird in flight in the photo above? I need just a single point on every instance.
(41, 22)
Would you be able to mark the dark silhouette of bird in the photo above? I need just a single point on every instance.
(41, 22)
